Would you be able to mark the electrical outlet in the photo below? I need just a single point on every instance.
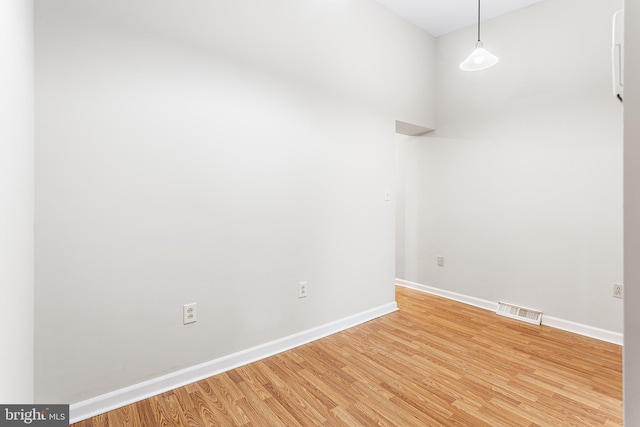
(302, 289)
(618, 290)
(189, 313)
(440, 261)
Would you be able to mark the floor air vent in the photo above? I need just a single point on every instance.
(520, 313)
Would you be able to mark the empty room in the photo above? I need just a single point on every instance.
(319, 212)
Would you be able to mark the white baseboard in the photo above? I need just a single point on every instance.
(477, 302)
(134, 393)
(554, 322)
(587, 331)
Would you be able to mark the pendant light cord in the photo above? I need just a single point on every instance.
(478, 20)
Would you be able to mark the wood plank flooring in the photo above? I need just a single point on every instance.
(435, 362)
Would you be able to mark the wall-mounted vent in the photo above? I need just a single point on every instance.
(520, 313)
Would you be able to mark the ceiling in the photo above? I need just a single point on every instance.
(439, 17)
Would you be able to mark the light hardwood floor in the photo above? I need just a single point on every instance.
(435, 362)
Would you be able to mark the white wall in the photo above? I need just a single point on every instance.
(631, 215)
(520, 189)
(217, 153)
(16, 201)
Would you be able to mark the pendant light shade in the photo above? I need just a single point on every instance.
(480, 58)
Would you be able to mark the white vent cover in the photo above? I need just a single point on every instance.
(520, 313)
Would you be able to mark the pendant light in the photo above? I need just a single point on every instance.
(480, 58)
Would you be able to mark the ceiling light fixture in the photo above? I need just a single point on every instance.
(480, 58)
